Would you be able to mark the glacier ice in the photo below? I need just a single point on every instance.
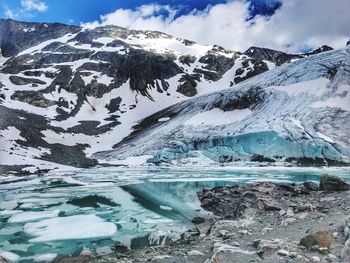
(297, 113)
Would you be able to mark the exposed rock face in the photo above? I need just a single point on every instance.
(33, 137)
(188, 85)
(321, 49)
(256, 66)
(24, 81)
(279, 57)
(16, 36)
(333, 183)
(275, 56)
(34, 98)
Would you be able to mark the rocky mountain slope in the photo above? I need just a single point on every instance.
(279, 57)
(67, 92)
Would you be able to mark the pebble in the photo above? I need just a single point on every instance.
(243, 232)
(288, 221)
(195, 253)
(283, 252)
(328, 199)
(282, 212)
(234, 244)
(266, 229)
(290, 213)
(331, 256)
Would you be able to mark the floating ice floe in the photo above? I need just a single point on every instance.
(45, 257)
(32, 216)
(71, 227)
(10, 256)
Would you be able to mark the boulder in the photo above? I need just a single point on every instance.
(345, 253)
(268, 248)
(311, 186)
(333, 183)
(322, 239)
(224, 253)
(198, 220)
(247, 205)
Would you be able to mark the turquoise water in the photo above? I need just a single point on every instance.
(68, 212)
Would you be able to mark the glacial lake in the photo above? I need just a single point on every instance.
(65, 213)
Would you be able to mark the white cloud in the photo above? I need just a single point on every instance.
(28, 8)
(298, 23)
(9, 13)
(33, 5)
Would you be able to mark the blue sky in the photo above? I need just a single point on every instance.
(82, 11)
(288, 25)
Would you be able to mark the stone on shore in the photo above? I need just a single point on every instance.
(333, 183)
(322, 239)
(311, 186)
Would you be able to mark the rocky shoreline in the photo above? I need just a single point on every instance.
(261, 222)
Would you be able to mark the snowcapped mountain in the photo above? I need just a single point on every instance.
(70, 96)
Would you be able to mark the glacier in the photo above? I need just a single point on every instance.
(300, 114)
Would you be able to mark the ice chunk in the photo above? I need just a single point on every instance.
(132, 160)
(164, 207)
(10, 256)
(163, 119)
(32, 216)
(5, 213)
(324, 137)
(45, 258)
(71, 227)
(161, 221)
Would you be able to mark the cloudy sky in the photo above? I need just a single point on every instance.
(289, 25)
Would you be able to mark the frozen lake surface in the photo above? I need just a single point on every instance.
(42, 217)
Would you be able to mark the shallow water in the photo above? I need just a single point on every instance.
(68, 212)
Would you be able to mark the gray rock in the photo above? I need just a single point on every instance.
(34, 98)
(282, 252)
(188, 85)
(311, 186)
(345, 253)
(198, 220)
(24, 81)
(270, 247)
(333, 183)
(227, 254)
(321, 239)
(247, 205)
